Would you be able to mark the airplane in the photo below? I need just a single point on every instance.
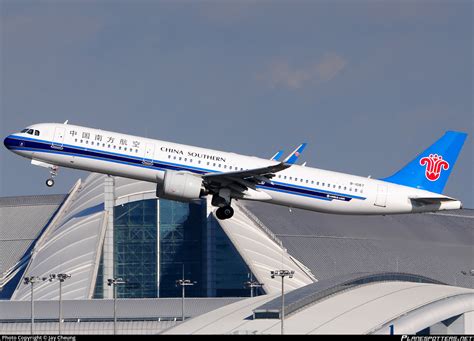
(188, 173)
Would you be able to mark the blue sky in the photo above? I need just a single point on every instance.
(368, 84)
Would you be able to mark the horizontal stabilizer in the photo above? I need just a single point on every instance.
(437, 203)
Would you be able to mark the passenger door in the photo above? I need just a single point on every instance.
(58, 139)
(149, 152)
(381, 199)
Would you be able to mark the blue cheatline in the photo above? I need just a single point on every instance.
(21, 143)
(430, 170)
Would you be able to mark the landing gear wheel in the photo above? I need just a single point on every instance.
(50, 182)
(225, 212)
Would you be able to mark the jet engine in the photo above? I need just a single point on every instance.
(180, 186)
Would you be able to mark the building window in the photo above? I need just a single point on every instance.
(135, 248)
(181, 229)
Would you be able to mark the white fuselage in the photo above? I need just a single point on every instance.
(147, 159)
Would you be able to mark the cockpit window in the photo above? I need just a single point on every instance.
(37, 132)
(24, 130)
(30, 131)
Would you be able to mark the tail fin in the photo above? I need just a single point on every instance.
(430, 169)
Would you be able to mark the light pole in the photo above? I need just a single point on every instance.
(184, 283)
(115, 281)
(251, 284)
(61, 278)
(282, 274)
(32, 280)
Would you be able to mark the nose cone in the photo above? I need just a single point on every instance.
(7, 142)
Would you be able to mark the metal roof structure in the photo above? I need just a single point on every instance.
(312, 293)
(101, 310)
(438, 245)
(364, 309)
(134, 316)
(22, 219)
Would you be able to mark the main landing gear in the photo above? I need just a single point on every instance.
(225, 212)
(223, 200)
(53, 170)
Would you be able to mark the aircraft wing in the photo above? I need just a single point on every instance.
(242, 181)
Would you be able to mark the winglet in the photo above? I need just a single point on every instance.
(277, 156)
(293, 157)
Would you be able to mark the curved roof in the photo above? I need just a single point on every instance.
(359, 310)
(22, 221)
(73, 241)
(310, 294)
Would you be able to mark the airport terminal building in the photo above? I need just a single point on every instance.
(352, 274)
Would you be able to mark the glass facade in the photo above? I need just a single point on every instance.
(155, 240)
(181, 245)
(135, 248)
(99, 282)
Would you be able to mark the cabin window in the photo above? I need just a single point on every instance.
(291, 178)
(169, 156)
(355, 190)
(312, 182)
(302, 180)
(284, 177)
(345, 188)
(120, 147)
(307, 181)
(333, 186)
(75, 140)
(322, 184)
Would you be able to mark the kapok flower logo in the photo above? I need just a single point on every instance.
(434, 163)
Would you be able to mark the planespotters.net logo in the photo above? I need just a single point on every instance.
(434, 164)
(437, 338)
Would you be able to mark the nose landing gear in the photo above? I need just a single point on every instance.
(53, 170)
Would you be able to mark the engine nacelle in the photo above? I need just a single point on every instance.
(180, 186)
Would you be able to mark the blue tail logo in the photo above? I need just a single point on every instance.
(434, 164)
(430, 170)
